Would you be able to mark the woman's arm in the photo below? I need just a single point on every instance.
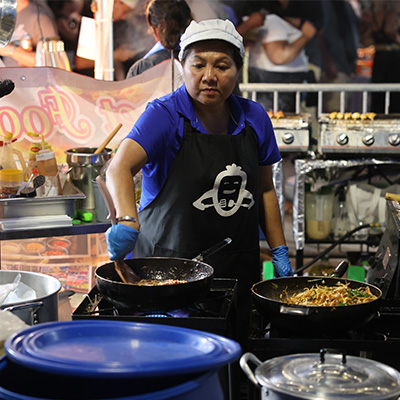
(25, 58)
(282, 52)
(270, 215)
(127, 162)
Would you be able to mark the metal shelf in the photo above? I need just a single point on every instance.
(83, 229)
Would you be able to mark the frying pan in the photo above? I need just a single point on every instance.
(198, 275)
(299, 318)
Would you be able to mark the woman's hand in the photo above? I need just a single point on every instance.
(121, 240)
(281, 262)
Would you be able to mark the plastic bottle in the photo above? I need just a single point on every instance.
(7, 160)
(33, 151)
(340, 214)
(10, 181)
(47, 165)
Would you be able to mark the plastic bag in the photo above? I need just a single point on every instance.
(22, 293)
(367, 204)
(8, 288)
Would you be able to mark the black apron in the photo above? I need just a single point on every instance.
(211, 192)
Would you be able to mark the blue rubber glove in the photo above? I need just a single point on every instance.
(280, 260)
(121, 240)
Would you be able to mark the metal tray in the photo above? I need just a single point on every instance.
(38, 206)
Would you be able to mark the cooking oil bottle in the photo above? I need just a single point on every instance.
(7, 160)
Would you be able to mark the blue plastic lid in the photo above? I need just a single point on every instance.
(119, 348)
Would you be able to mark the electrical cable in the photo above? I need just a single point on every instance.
(334, 244)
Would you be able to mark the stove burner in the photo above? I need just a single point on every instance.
(214, 313)
(378, 340)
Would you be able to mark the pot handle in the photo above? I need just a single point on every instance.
(322, 353)
(22, 306)
(244, 364)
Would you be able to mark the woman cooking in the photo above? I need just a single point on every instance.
(206, 156)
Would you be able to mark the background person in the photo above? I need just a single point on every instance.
(35, 21)
(278, 53)
(167, 20)
(206, 157)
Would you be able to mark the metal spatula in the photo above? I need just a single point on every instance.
(123, 270)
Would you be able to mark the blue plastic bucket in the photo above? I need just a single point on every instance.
(23, 386)
(112, 360)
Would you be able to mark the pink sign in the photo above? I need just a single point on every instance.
(72, 110)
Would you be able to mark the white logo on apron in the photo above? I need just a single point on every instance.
(228, 194)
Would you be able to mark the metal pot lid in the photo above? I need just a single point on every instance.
(329, 376)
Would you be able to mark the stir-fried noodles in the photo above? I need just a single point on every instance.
(321, 295)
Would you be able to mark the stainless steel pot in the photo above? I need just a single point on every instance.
(322, 376)
(44, 308)
(86, 166)
(8, 16)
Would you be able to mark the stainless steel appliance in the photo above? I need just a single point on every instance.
(292, 132)
(367, 134)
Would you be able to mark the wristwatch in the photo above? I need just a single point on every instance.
(126, 218)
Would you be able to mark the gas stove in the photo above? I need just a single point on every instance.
(292, 132)
(369, 134)
(214, 313)
(378, 340)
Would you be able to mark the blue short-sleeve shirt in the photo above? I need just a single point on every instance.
(159, 130)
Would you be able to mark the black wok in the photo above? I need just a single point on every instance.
(198, 275)
(291, 317)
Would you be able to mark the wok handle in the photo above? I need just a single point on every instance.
(207, 253)
(298, 311)
(244, 364)
(340, 270)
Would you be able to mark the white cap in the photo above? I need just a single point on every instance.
(211, 29)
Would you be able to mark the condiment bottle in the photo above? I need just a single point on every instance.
(47, 165)
(33, 151)
(7, 155)
(10, 181)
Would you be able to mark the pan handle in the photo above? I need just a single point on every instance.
(340, 270)
(244, 364)
(302, 312)
(207, 253)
